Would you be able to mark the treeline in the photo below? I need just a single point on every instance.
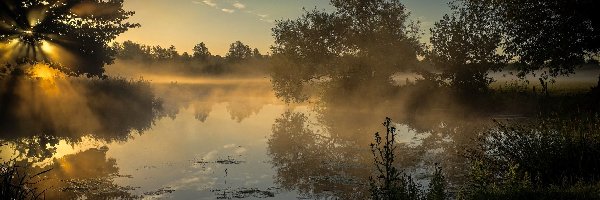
(240, 57)
(362, 42)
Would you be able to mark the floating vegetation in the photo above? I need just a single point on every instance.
(338, 179)
(161, 191)
(228, 161)
(241, 193)
(92, 188)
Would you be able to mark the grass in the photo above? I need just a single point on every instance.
(18, 183)
(550, 157)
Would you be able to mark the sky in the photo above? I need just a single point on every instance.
(218, 23)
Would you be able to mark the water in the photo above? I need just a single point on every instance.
(231, 139)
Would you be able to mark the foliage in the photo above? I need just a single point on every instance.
(465, 47)
(157, 59)
(129, 50)
(390, 182)
(73, 34)
(19, 184)
(552, 158)
(437, 186)
(555, 35)
(201, 52)
(334, 45)
(238, 51)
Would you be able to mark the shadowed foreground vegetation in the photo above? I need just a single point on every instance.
(546, 158)
(16, 183)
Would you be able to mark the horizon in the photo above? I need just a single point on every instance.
(218, 23)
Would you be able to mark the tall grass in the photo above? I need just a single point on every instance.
(18, 183)
(552, 157)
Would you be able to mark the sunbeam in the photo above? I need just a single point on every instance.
(69, 35)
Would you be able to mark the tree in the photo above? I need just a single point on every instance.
(172, 53)
(238, 51)
(129, 50)
(256, 53)
(54, 30)
(164, 54)
(374, 38)
(554, 35)
(201, 52)
(465, 47)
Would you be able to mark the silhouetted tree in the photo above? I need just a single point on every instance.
(129, 50)
(172, 53)
(465, 47)
(201, 52)
(256, 53)
(165, 54)
(51, 30)
(554, 35)
(359, 41)
(238, 51)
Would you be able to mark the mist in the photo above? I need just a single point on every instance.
(358, 100)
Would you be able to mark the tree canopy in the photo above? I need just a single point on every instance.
(201, 51)
(358, 42)
(553, 35)
(464, 47)
(238, 51)
(379, 30)
(73, 35)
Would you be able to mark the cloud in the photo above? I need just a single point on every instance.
(227, 10)
(210, 3)
(267, 20)
(261, 17)
(239, 5)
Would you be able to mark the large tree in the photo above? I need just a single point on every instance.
(465, 47)
(556, 36)
(73, 35)
(359, 42)
(378, 30)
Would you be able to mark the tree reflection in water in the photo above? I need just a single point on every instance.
(37, 114)
(314, 163)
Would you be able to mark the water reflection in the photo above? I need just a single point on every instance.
(326, 153)
(244, 99)
(37, 113)
(314, 163)
(219, 131)
(230, 140)
(88, 174)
